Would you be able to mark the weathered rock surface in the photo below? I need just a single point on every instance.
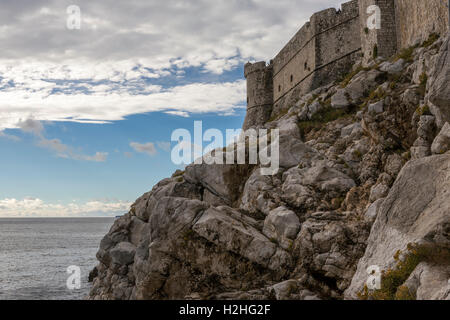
(439, 89)
(417, 210)
(441, 143)
(282, 225)
(357, 182)
(429, 282)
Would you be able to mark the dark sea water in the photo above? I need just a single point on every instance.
(35, 255)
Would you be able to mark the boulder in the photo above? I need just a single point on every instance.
(439, 89)
(378, 191)
(123, 253)
(256, 195)
(350, 129)
(377, 107)
(425, 133)
(372, 213)
(415, 210)
(362, 83)
(221, 181)
(293, 151)
(340, 99)
(393, 67)
(394, 164)
(282, 225)
(327, 179)
(329, 245)
(429, 282)
(441, 143)
(235, 236)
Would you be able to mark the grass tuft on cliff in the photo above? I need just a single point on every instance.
(392, 280)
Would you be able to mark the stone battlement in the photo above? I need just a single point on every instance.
(254, 67)
(329, 44)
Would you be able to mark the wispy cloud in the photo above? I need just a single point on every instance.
(29, 206)
(148, 148)
(9, 136)
(62, 150)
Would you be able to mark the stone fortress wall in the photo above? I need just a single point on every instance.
(329, 36)
(328, 45)
(380, 42)
(417, 19)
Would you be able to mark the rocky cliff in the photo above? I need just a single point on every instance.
(364, 180)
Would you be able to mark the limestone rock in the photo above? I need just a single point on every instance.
(378, 191)
(237, 237)
(363, 83)
(415, 210)
(394, 164)
(429, 282)
(230, 232)
(439, 90)
(340, 99)
(282, 225)
(329, 245)
(221, 181)
(442, 142)
(293, 152)
(123, 253)
(393, 68)
(350, 129)
(372, 213)
(425, 133)
(377, 107)
(256, 194)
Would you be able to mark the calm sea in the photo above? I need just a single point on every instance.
(35, 255)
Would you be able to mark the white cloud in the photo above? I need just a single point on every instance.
(97, 74)
(148, 148)
(189, 32)
(29, 206)
(178, 113)
(98, 157)
(101, 107)
(9, 136)
(31, 126)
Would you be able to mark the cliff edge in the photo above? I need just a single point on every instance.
(364, 181)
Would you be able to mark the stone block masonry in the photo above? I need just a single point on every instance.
(329, 36)
(259, 93)
(417, 19)
(327, 46)
(378, 42)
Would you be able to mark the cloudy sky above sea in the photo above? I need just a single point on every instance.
(86, 115)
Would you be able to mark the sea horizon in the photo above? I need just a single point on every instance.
(37, 253)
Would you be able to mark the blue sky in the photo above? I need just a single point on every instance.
(86, 115)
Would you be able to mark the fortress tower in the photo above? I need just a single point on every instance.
(328, 45)
(259, 93)
(376, 42)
